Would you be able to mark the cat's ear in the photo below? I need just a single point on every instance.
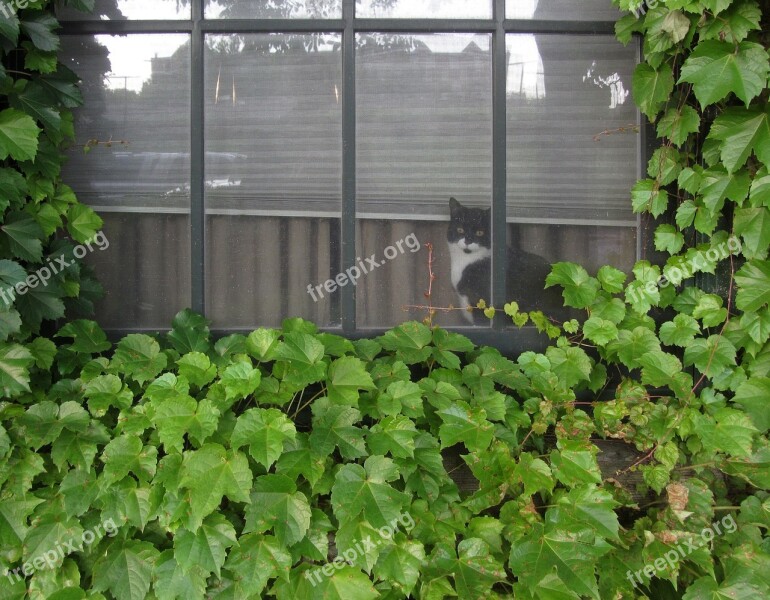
(454, 206)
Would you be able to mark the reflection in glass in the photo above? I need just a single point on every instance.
(139, 183)
(273, 9)
(128, 9)
(273, 176)
(562, 92)
(562, 10)
(425, 9)
(424, 127)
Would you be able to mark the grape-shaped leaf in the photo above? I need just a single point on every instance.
(365, 491)
(574, 465)
(256, 560)
(679, 332)
(474, 568)
(197, 368)
(15, 362)
(742, 132)
(264, 431)
(240, 380)
(652, 88)
(276, 504)
(754, 396)
(83, 223)
(172, 582)
(125, 569)
(571, 553)
(262, 343)
(180, 414)
(394, 435)
(212, 473)
(138, 356)
(587, 506)
(463, 424)
(207, 548)
(18, 135)
(124, 455)
(87, 337)
(189, 332)
(333, 428)
(105, 391)
(580, 289)
(400, 564)
(728, 430)
(345, 378)
(718, 68)
(753, 285)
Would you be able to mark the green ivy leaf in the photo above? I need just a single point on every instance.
(254, 562)
(679, 332)
(463, 424)
(600, 331)
(366, 491)
(753, 225)
(570, 555)
(265, 431)
(18, 135)
(125, 569)
(718, 68)
(88, 337)
(23, 235)
(742, 132)
(474, 568)
(729, 430)
(276, 504)
(754, 396)
(138, 356)
(753, 281)
(40, 29)
(734, 24)
(210, 474)
(197, 369)
(189, 332)
(394, 435)
(240, 380)
(333, 428)
(574, 466)
(580, 289)
(652, 88)
(668, 239)
(346, 376)
(15, 362)
(710, 356)
(646, 196)
(587, 506)
(678, 123)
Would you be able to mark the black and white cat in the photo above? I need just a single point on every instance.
(469, 238)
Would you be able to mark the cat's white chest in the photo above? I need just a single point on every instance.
(460, 260)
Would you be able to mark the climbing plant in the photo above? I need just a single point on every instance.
(292, 464)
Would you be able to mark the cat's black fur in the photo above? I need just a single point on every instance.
(469, 238)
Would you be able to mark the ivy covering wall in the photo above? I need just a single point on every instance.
(294, 464)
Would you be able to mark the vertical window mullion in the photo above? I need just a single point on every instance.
(499, 166)
(348, 228)
(197, 164)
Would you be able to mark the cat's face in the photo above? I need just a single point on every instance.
(469, 228)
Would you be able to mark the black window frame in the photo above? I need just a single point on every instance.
(500, 334)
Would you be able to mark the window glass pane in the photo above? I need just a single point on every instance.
(562, 10)
(129, 9)
(138, 176)
(273, 9)
(425, 9)
(424, 127)
(273, 177)
(568, 181)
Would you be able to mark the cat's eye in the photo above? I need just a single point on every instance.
(460, 230)
(479, 232)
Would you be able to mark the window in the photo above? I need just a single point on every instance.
(253, 152)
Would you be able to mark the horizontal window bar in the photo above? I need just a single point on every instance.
(337, 25)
